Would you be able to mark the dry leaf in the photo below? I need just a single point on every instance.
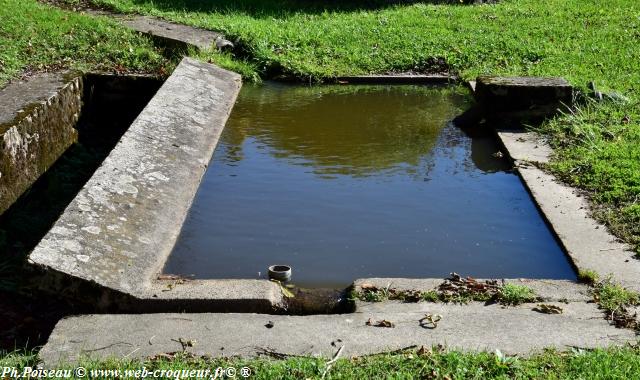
(548, 309)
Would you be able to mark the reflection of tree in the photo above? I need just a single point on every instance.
(347, 130)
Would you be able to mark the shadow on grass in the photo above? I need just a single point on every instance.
(282, 8)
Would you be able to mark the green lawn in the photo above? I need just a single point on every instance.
(598, 147)
(35, 38)
(581, 40)
(614, 363)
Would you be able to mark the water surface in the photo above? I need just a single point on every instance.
(346, 182)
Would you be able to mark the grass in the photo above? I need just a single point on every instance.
(597, 148)
(615, 301)
(507, 295)
(513, 294)
(613, 363)
(320, 39)
(587, 276)
(36, 38)
(611, 296)
(597, 145)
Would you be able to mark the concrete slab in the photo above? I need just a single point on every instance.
(547, 290)
(525, 145)
(517, 330)
(121, 227)
(167, 33)
(171, 33)
(521, 93)
(587, 242)
(37, 119)
(510, 100)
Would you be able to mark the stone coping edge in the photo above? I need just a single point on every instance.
(117, 233)
(588, 243)
(37, 118)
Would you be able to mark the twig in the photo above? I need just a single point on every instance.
(335, 357)
(109, 346)
(399, 350)
(332, 361)
(130, 353)
(274, 354)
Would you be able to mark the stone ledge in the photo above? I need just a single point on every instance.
(587, 242)
(513, 330)
(121, 227)
(37, 119)
(168, 34)
(521, 93)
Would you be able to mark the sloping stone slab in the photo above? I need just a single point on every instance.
(525, 146)
(121, 227)
(587, 242)
(172, 34)
(517, 330)
(167, 33)
(37, 119)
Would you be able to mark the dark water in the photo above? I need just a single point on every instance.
(345, 182)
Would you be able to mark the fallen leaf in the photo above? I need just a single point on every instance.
(548, 309)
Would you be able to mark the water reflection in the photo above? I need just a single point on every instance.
(345, 182)
(351, 130)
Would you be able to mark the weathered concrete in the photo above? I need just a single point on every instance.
(514, 330)
(508, 99)
(587, 242)
(172, 34)
(398, 79)
(37, 118)
(547, 290)
(525, 146)
(121, 227)
(522, 93)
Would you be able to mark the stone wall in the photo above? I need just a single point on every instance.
(37, 119)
